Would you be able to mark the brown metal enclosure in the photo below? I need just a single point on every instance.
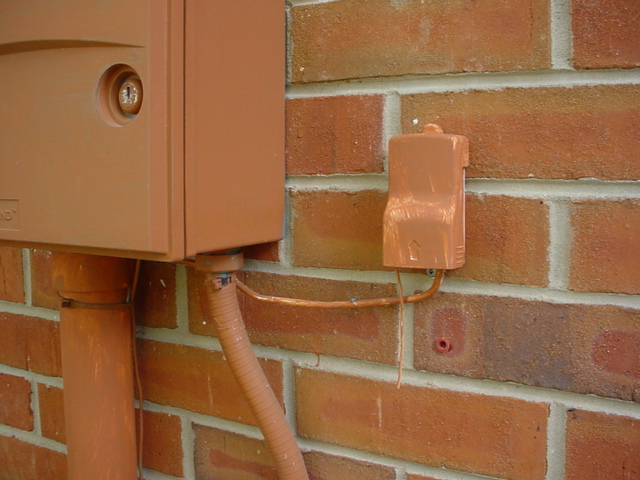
(200, 167)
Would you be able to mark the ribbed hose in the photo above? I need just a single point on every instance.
(222, 303)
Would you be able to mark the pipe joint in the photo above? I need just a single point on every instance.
(225, 263)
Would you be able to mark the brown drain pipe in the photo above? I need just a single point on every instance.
(95, 330)
(218, 296)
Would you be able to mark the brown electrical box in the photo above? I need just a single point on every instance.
(146, 129)
(423, 224)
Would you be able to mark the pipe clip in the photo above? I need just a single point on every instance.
(224, 280)
(71, 303)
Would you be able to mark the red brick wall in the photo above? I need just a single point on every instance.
(542, 380)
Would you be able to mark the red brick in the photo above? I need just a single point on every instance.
(559, 346)
(11, 278)
(335, 135)
(338, 229)
(52, 424)
(15, 402)
(376, 38)
(224, 455)
(198, 322)
(507, 241)
(494, 436)
(155, 302)
(30, 344)
(365, 334)
(197, 380)
(23, 461)
(267, 252)
(604, 250)
(162, 443)
(42, 292)
(617, 352)
(555, 132)
(606, 33)
(322, 466)
(602, 447)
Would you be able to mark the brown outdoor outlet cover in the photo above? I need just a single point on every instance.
(424, 218)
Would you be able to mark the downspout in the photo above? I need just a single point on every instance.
(96, 341)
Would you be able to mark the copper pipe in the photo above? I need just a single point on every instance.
(95, 325)
(401, 314)
(373, 302)
(222, 302)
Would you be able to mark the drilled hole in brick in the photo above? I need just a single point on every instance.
(443, 345)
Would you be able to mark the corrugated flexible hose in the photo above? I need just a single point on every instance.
(221, 302)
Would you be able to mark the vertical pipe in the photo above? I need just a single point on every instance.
(96, 366)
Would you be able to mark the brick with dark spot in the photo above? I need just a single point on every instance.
(528, 343)
(449, 331)
(602, 447)
(578, 348)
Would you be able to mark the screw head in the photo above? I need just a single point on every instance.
(130, 95)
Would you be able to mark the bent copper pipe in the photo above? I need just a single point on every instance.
(370, 302)
(95, 329)
(221, 302)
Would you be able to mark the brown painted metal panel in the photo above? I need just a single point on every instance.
(234, 123)
(76, 178)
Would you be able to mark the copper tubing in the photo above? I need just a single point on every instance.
(401, 314)
(222, 303)
(95, 326)
(373, 302)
